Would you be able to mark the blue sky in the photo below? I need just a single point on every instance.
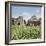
(26, 12)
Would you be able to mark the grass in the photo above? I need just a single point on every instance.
(25, 32)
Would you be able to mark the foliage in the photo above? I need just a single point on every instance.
(25, 32)
(34, 17)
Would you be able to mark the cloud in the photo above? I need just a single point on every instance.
(13, 16)
(26, 15)
(38, 11)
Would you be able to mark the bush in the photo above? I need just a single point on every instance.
(25, 32)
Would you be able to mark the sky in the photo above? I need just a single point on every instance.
(25, 11)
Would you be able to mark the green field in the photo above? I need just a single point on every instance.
(25, 32)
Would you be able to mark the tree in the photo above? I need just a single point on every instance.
(13, 21)
(24, 22)
(39, 19)
(33, 17)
